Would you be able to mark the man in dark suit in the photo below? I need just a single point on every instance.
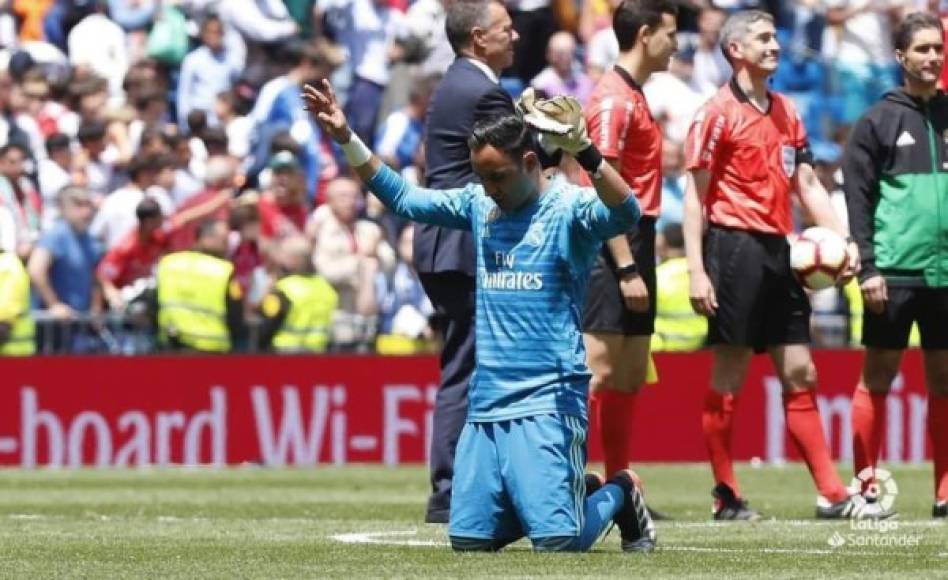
(482, 36)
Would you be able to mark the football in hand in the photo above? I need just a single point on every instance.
(818, 257)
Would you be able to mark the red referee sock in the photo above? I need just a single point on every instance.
(938, 430)
(806, 430)
(716, 420)
(616, 409)
(868, 421)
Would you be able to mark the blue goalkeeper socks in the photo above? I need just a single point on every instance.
(601, 507)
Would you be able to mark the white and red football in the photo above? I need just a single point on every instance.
(818, 257)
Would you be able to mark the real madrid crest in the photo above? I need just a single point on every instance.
(534, 235)
(492, 216)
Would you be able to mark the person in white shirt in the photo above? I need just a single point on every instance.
(116, 216)
(425, 19)
(711, 69)
(601, 53)
(55, 173)
(238, 127)
(99, 43)
(206, 72)
(259, 20)
(265, 26)
(674, 97)
(369, 30)
(857, 42)
(92, 160)
(188, 171)
(602, 50)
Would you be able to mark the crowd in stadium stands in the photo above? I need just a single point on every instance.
(128, 128)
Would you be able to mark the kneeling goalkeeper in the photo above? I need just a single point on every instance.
(521, 456)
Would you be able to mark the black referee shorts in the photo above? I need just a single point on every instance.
(926, 306)
(760, 302)
(605, 310)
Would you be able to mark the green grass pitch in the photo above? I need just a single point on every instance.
(364, 522)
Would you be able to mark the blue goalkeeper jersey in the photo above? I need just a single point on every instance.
(532, 270)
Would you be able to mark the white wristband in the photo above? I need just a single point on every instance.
(355, 151)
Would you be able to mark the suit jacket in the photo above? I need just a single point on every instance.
(464, 97)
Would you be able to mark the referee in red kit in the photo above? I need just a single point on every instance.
(746, 151)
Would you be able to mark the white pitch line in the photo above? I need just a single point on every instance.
(709, 550)
(394, 538)
(793, 523)
(378, 538)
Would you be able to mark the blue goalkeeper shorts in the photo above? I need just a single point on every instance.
(522, 477)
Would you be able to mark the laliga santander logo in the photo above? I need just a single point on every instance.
(877, 486)
(878, 491)
(836, 540)
(870, 486)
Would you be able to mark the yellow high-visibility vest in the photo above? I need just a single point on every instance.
(15, 307)
(192, 300)
(677, 326)
(312, 304)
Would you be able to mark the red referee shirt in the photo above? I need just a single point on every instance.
(622, 128)
(751, 156)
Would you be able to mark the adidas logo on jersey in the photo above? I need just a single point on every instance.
(905, 139)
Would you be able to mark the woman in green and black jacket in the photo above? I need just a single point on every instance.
(895, 173)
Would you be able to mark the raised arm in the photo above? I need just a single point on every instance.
(611, 188)
(448, 208)
(562, 125)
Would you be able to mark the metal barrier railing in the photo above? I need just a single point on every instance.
(134, 334)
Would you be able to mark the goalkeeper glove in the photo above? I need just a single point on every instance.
(560, 122)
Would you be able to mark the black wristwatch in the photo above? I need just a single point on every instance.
(627, 271)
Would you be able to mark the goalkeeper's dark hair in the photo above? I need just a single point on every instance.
(632, 15)
(911, 24)
(509, 134)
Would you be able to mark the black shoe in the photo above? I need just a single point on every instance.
(940, 510)
(635, 524)
(729, 507)
(854, 507)
(437, 517)
(438, 506)
(594, 483)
